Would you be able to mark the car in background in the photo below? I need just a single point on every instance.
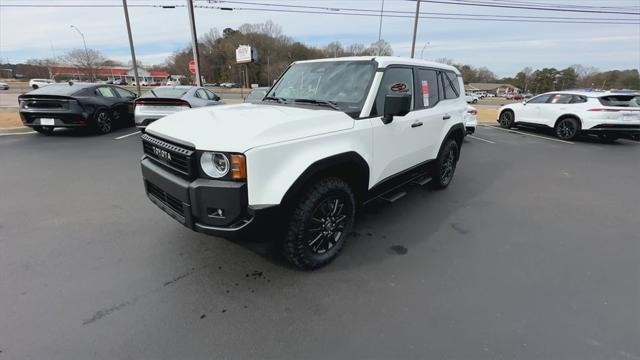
(471, 98)
(471, 120)
(215, 84)
(256, 94)
(491, 95)
(166, 100)
(98, 107)
(38, 83)
(4, 86)
(142, 83)
(608, 115)
(230, 85)
(120, 82)
(512, 96)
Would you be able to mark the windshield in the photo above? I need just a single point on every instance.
(172, 93)
(344, 83)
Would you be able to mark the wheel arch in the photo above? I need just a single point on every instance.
(349, 166)
(456, 132)
(568, 115)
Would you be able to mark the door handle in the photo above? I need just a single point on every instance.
(416, 124)
(446, 117)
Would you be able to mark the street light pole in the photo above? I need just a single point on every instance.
(86, 51)
(380, 26)
(194, 40)
(415, 29)
(133, 52)
(422, 51)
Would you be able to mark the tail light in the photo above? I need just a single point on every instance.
(473, 112)
(162, 102)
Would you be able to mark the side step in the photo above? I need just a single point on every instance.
(393, 197)
(422, 180)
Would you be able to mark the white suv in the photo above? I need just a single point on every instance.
(606, 114)
(38, 83)
(329, 135)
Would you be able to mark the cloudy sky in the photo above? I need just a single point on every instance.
(502, 46)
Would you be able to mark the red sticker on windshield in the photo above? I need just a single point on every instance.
(399, 87)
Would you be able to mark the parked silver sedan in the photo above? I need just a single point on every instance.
(166, 100)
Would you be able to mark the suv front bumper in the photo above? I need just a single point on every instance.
(214, 207)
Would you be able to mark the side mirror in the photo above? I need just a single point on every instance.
(396, 105)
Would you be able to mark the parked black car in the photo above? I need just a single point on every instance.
(97, 107)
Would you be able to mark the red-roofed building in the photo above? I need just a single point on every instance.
(110, 73)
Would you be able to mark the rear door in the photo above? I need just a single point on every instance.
(125, 103)
(431, 110)
(553, 108)
(200, 98)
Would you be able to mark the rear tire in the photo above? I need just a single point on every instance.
(567, 128)
(319, 224)
(445, 166)
(507, 119)
(103, 124)
(45, 130)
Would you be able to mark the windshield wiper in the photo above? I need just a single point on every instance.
(277, 99)
(330, 104)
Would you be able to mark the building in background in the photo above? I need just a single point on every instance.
(493, 88)
(110, 73)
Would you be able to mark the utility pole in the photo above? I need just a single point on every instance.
(415, 29)
(380, 27)
(194, 41)
(133, 52)
(86, 51)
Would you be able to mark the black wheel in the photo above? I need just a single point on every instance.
(34, 86)
(320, 223)
(102, 122)
(608, 137)
(46, 130)
(567, 128)
(507, 119)
(445, 166)
(475, 101)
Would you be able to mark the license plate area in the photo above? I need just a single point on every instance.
(47, 121)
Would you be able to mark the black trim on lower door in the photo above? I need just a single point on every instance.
(397, 180)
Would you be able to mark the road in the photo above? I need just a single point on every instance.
(532, 253)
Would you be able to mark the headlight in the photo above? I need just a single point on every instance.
(214, 164)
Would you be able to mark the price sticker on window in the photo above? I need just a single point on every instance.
(425, 93)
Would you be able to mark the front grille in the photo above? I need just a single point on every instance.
(170, 155)
(174, 203)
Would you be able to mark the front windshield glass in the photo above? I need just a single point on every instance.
(343, 83)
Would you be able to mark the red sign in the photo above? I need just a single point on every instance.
(192, 66)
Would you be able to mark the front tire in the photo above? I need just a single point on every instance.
(320, 224)
(445, 165)
(103, 124)
(507, 119)
(567, 128)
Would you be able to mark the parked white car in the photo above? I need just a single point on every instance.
(330, 134)
(608, 115)
(471, 120)
(471, 98)
(38, 83)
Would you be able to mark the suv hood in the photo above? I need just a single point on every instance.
(238, 128)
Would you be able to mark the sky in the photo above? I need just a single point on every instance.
(503, 47)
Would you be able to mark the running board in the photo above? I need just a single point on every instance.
(422, 181)
(393, 197)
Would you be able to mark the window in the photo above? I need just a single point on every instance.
(124, 93)
(451, 85)
(105, 91)
(428, 87)
(211, 96)
(394, 81)
(619, 100)
(539, 99)
(560, 99)
(201, 94)
(578, 99)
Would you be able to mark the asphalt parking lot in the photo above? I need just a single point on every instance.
(532, 253)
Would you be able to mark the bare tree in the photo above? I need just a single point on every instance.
(381, 48)
(85, 61)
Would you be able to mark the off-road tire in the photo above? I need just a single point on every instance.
(445, 166)
(312, 239)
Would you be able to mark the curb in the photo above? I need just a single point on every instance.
(13, 130)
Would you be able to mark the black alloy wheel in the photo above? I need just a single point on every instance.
(567, 129)
(103, 123)
(506, 119)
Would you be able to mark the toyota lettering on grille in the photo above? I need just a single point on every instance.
(162, 154)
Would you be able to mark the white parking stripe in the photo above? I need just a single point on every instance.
(481, 139)
(124, 136)
(19, 133)
(528, 134)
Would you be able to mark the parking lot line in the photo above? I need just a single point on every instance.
(124, 136)
(19, 133)
(528, 134)
(481, 139)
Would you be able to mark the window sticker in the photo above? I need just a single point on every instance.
(399, 87)
(425, 93)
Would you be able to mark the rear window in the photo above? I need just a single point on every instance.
(620, 100)
(172, 93)
(57, 89)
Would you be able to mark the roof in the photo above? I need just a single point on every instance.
(60, 89)
(592, 93)
(491, 86)
(384, 61)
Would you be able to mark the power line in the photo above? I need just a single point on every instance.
(542, 8)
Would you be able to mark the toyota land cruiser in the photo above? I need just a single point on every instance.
(329, 135)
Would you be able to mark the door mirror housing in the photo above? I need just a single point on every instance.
(396, 105)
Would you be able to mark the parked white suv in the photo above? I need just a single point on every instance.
(329, 135)
(38, 83)
(606, 114)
